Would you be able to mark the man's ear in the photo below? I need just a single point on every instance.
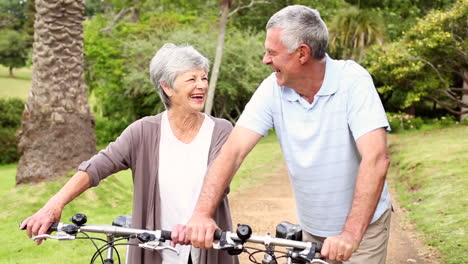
(304, 53)
(168, 90)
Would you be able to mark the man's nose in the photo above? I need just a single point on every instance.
(266, 59)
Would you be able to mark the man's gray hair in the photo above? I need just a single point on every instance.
(170, 61)
(301, 25)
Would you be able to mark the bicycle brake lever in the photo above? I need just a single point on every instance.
(59, 236)
(155, 245)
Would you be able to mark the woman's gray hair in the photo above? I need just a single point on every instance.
(170, 61)
(301, 25)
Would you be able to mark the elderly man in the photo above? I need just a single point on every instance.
(331, 126)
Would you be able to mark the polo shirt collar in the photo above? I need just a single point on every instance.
(329, 85)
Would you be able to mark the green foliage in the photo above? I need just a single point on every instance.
(108, 130)
(13, 49)
(400, 15)
(256, 17)
(8, 142)
(12, 14)
(239, 75)
(353, 30)
(423, 64)
(117, 69)
(429, 174)
(11, 110)
(401, 121)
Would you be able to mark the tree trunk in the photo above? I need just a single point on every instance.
(464, 96)
(218, 57)
(10, 72)
(57, 130)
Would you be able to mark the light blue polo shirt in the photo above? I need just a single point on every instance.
(318, 140)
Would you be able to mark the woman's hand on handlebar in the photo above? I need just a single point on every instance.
(40, 222)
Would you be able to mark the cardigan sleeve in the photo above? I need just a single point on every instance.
(115, 157)
(220, 134)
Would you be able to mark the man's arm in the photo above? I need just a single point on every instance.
(201, 226)
(369, 183)
(40, 222)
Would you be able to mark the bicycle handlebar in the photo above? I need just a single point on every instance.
(150, 239)
(269, 240)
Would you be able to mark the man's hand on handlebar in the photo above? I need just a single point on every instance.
(200, 231)
(339, 247)
(40, 222)
(179, 235)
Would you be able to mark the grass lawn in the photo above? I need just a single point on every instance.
(430, 175)
(101, 204)
(15, 87)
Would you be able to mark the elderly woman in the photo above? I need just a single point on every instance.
(168, 154)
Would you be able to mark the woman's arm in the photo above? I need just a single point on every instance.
(51, 212)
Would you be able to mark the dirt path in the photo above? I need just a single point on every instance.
(263, 206)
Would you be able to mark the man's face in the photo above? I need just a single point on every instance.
(276, 55)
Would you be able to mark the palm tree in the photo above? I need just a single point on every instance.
(353, 30)
(57, 130)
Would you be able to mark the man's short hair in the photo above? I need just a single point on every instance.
(301, 25)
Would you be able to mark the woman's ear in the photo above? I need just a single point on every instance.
(168, 90)
(304, 53)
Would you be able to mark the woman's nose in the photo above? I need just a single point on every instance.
(203, 84)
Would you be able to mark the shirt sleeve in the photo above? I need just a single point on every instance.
(258, 113)
(365, 110)
(114, 158)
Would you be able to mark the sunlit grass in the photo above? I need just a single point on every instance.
(430, 174)
(15, 87)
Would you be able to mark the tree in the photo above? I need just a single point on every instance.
(225, 5)
(13, 50)
(353, 30)
(430, 62)
(57, 127)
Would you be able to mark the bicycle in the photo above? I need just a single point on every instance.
(287, 237)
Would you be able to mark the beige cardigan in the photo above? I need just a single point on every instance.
(137, 148)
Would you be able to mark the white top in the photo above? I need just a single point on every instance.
(182, 169)
(318, 140)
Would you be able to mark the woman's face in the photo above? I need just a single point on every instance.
(190, 90)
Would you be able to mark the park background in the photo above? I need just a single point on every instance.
(415, 50)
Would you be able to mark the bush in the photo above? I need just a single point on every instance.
(402, 121)
(108, 130)
(8, 146)
(11, 110)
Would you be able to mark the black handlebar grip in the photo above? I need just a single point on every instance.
(166, 235)
(217, 234)
(53, 227)
(318, 247)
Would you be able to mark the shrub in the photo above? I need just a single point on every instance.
(8, 146)
(402, 121)
(108, 130)
(11, 110)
